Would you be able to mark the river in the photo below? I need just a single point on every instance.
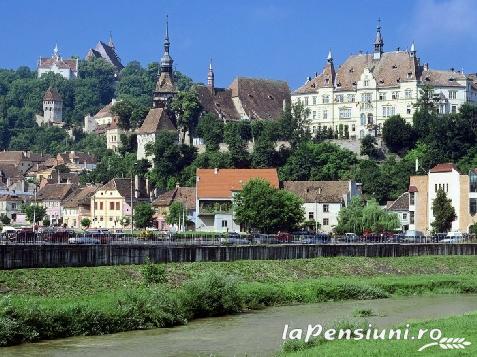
(256, 333)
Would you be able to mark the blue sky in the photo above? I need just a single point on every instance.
(278, 39)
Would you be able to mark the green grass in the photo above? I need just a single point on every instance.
(458, 326)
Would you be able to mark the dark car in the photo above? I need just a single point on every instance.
(264, 239)
(316, 239)
(284, 237)
(234, 238)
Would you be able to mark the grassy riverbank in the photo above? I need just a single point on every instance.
(53, 303)
(453, 327)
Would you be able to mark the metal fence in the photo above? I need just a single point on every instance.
(198, 238)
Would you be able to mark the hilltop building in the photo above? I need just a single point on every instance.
(106, 51)
(68, 68)
(52, 109)
(360, 94)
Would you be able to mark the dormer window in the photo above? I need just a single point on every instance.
(354, 83)
(327, 80)
(270, 97)
(451, 79)
(351, 70)
(409, 74)
(366, 82)
(394, 66)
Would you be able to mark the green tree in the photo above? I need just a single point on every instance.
(46, 221)
(175, 214)
(4, 219)
(295, 124)
(143, 213)
(444, 213)
(186, 108)
(211, 129)
(123, 110)
(85, 223)
(369, 147)
(31, 210)
(398, 135)
(267, 209)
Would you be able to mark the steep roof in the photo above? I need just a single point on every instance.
(9, 171)
(156, 120)
(71, 64)
(106, 52)
(217, 101)
(401, 203)
(123, 186)
(445, 167)
(220, 183)
(104, 112)
(165, 83)
(14, 157)
(55, 192)
(52, 94)
(80, 197)
(437, 78)
(184, 195)
(319, 191)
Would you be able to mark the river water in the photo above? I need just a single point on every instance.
(256, 333)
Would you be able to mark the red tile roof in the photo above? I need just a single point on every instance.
(220, 183)
(445, 167)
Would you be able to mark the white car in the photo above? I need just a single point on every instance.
(453, 237)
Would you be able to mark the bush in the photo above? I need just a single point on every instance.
(153, 273)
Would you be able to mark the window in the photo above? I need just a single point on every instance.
(101, 205)
(366, 82)
(363, 119)
(326, 208)
(350, 98)
(314, 100)
(306, 101)
(472, 206)
(404, 216)
(353, 127)
(370, 119)
(311, 216)
(412, 198)
(326, 221)
(408, 94)
(339, 98)
(325, 98)
(314, 114)
(117, 206)
(95, 205)
(388, 111)
(395, 95)
(110, 219)
(452, 94)
(411, 217)
(224, 223)
(408, 109)
(382, 96)
(345, 113)
(325, 114)
(473, 181)
(366, 97)
(111, 205)
(454, 109)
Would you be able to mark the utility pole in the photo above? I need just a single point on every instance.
(132, 229)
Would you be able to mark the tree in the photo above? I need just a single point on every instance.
(123, 110)
(443, 211)
(143, 213)
(295, 124)
(186, 108)
(211, 129)
(237, 136)
(4, 219)
(31, 210)
(368, 147)
(175, 214)
(267, 209)
(398, 135)
(46, 221)
(85, 223)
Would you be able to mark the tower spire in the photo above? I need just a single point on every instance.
(412, 52)
(111, 43)
(330, 57)
(56, 52)
(210, 76)
(166, 60)
(378, 42)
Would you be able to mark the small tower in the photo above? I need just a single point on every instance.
(412, 52)
(56, 53)
(210, 77)
(329, 59)
(378, 42)
(110, 42)
(52, 107)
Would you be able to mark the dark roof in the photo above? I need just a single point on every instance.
(123, 186)
(71, 64)
(445, 167)
(106, 52)
(52, 95)
(401, 203)
(217, 101)
(156, 120)
(184, 195)
(319, 191)
(55, 192)
(9, 171)
(80, 197)
(413, 189)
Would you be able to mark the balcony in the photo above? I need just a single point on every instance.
(211, 208)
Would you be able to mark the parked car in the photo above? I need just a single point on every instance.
(438, 237)
(396, 238)
(234, 238)
(453, 237)
(413, 236)
(264, 239)
(83, 240)
(316, 239)
(284, 237)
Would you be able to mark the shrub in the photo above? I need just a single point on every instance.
(153, 273)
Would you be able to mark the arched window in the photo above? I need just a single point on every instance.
(363, 119)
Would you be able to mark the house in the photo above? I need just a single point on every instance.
(461, 189)
(11, 206)
(215, 195)
(52, 109)
(323, 200)
(78, 206)
(111, 203)
(106, 51)
(52, 197)
(68, 68)
(184, 195)
(359, 95)
(401, 207)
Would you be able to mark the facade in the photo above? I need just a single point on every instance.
(10, 206)
(461, 189)
(51, 197)
(78, 206)
(323, 200)
(184, 195)
(401, 207)
(215, 196)
(68, 68)
(106, 52)
(52, 109)
(358, 96)
(158, 118)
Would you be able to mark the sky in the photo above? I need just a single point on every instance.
(279, 39)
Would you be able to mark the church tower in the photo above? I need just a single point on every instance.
(52, 106)
(378, 42)
(165, 86)
(210, 77)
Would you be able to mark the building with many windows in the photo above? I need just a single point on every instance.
(359, 95)
(68, 68)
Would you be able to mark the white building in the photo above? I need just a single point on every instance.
(358, 96)
(323, 200)
(401, 207)
(52, 109)
(68, 68)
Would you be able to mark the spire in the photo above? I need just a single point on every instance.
(56, 52)
(378, 42)
(330, 57)
(166, 60)
(111, 43)
(166, 38)
(210, 76)
(412, 52)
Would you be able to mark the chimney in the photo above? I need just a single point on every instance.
(136, 186)
(216, 171)
(417, 165)
(426, 66)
